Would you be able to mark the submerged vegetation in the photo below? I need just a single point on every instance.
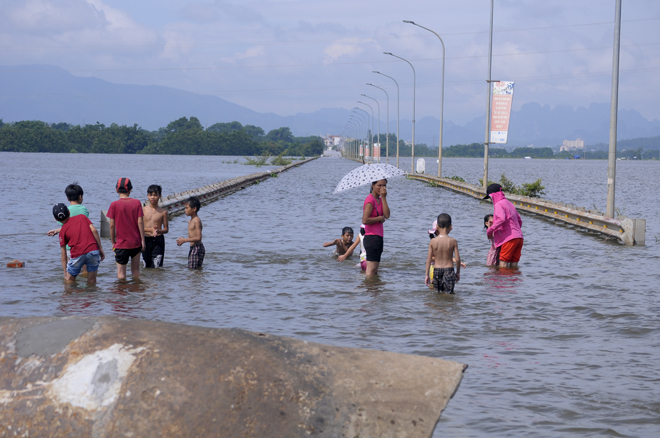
(531, 190)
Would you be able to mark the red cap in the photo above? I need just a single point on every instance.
(124, 183)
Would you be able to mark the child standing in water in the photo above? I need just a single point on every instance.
(433, 232)
(493, 258)
(84, 241)
(126, 229)
(344, 242)
(443, 251)
(155, 225)
(197, 250)
(363, 252)
(74, 193)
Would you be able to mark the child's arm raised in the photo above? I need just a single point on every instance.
(334, 242)
(429, 256)
(350, 250)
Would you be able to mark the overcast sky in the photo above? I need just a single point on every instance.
(299, 56)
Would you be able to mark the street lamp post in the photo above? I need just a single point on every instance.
(397, 114)
(358, 122)
(365, 126)
(611, 159)
(490, 62)
(371, 135)
(387, 127)
(356, 131)
(378, 122)
(442, 99)
(413, 118)
(354, 127)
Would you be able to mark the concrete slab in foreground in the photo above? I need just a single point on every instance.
(114, 377)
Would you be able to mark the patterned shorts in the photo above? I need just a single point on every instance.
(196, 256)
(444, 280)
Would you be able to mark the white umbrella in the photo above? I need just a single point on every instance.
(367, 174)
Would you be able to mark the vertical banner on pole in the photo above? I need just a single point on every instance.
(361, 151)
(366, 152)
(501, 111)
(377, 151)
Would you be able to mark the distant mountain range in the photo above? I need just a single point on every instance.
(52, 94)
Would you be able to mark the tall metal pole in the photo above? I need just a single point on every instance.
(358, 121)
(397, 114)
(490, 62)
(413, 120)
(611, 161)
(378, 122)
(355, 128)
(442, 99)
(371, 136)
(387, 127)
(366, 127)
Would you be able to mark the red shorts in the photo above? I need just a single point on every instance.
(510, 251)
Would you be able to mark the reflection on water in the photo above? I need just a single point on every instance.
(125, 298)
(550, 346)
(502, 279)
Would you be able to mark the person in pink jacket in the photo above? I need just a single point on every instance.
(506, 229)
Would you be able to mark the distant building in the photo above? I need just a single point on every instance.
(332, 140)
(570, 145)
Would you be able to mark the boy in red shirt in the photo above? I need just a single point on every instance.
(126, 229)
(86, 249)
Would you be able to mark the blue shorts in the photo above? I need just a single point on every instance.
(91, 259)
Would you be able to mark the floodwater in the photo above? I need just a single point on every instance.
(567, 345)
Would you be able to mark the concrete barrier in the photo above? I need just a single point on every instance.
(110, 377)
(629, 231)
(175, 204)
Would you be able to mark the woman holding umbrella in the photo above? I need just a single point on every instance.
(375, 209)
(374, 212)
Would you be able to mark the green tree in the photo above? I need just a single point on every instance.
(281, 134)
(183, 124)
(225, 127)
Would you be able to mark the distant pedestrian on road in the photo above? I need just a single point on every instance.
(506, 229)
(374, 213)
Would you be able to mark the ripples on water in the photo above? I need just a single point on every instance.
(568, 345)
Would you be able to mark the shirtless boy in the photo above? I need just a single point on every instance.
(444, 251)
(197, 250)
(343, 243)
(155, 225)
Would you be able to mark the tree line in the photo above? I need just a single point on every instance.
(185, 136)
(476, 150)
